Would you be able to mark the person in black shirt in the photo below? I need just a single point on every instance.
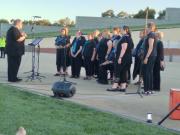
(115, 38)
(62, 43)
(122, 61)
(138, 62)
(116, 35)
(149, 58)
(96, 64)
(159, 63)
(88, 54)
(76, 49)
(15, 49)
(107, 65)
(103, 50)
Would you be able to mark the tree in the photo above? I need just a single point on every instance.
(142, 13)
(122, 14)
(108, 13)
(4, 21)
(43, 22)
(162, 14)
(72, 24)
(27, 22)
(65, 22)
(55, 23)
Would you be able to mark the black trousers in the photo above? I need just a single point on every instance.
(13, 67)
(129, 73)
(156, 76)
(103, 75)
(2, 52)
(96, 67)
(60, 59)
(148, 74)
(88, 64)
(76, 64)
(121, 71)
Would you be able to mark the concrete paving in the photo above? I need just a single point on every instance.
(94, 95)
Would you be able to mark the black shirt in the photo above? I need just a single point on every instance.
(154, 51)
(62, 40)
(127, 56)
(88, 48)
(102, 49)
(77, 43)
(13, 47)
(115, 37)
(160, 51)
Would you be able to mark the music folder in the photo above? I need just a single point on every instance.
(36, 42)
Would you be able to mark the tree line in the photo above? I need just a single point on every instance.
(109, 13)
(45, 22)
(141, 14)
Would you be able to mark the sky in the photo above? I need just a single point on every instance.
(57, 9)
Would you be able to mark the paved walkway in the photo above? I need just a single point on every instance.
(94, 95)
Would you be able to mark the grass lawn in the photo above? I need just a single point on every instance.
(46, 116)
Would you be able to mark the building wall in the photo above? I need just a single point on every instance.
(173, 14)
(84, 22)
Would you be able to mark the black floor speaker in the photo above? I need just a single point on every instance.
(63, 89)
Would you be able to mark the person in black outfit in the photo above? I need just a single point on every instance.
(138, 62)
(149, 58)
(88, 54)
(107, 65)
(62, 43)
(15, 49)
(128, 74)
(96, 63)
(76, 56)
(159, 63)
(122, 61)
(103, 50)
(115, 39)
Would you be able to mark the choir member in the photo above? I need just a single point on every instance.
(159, 63)
(150, 55)
(62, 44)
(88, 54)
(122, 61)
(76, 61)
(104, 49)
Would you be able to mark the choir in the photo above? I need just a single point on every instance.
(108, 56)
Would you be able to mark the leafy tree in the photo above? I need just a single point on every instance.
(65, 22)
(43, 22)
(4, 21)
(26, 22)
(122, 14)
(108, 13)
(142, 13)
(162, 14)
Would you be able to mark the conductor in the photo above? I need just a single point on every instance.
(15, 49)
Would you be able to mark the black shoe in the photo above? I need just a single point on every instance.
(72, 76)
(18, 80)
(12, 80)
(122, 90)
(57, 74)
(102, 82)
(113, 89)
(76, 77)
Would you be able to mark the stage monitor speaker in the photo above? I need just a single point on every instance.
(63, 89)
